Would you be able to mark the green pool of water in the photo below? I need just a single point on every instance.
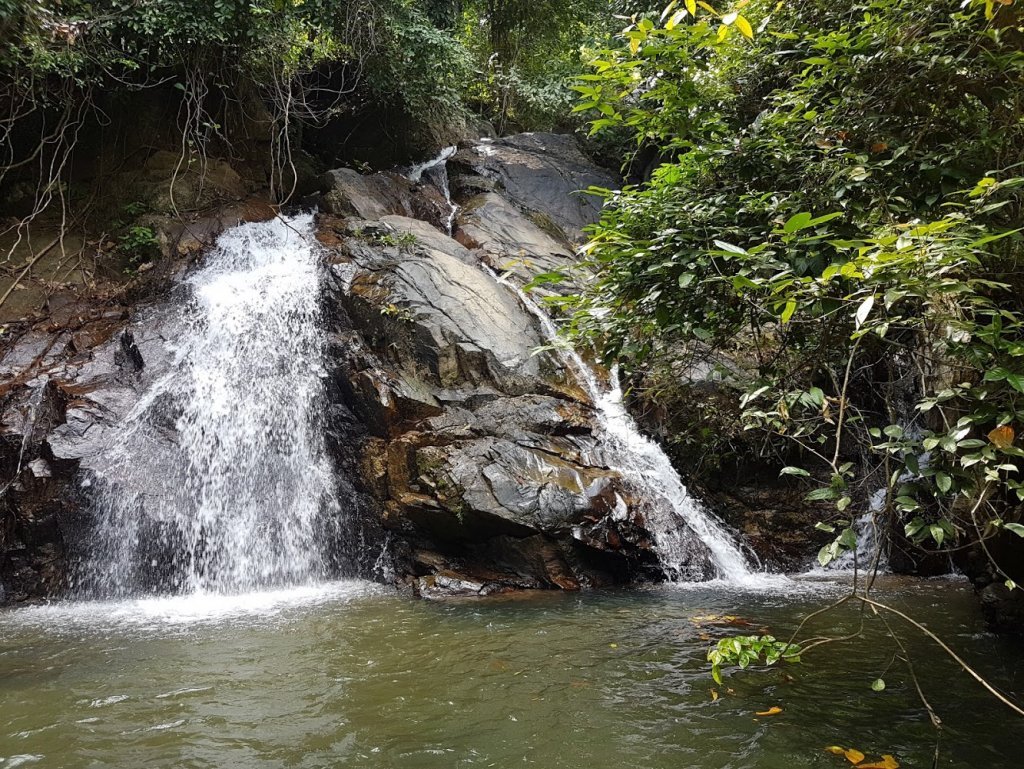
(351, 675)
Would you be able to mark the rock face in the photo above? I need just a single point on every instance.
(485, 453)
(988, 570)
(543, 174)
(477, 459)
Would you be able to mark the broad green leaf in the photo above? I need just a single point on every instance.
(788, 311)
(864, 310)
(821, 494)
(797, 222)
(795, 471)
(1016, 528)
(730, 247)
(848, 539)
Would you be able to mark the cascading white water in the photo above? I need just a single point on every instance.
(220, 480)
(644, 464)
(438, 166)
(641, 461)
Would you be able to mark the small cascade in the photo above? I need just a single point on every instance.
(436, 170)
(646, 466)
(868, 541)
(868, 527)
(219, 480)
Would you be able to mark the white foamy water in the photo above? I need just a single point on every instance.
(439, 167)
(219, 481)
(167, 612)
(646, 466)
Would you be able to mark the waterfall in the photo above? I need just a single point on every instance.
(866, 529)
(219, 480)
(438, 167)
(646, 467)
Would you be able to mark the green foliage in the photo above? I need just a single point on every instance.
(139, 243)
(746, 650)
(526, 53)
(287, 63)
(838, 208)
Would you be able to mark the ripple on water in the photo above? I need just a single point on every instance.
(20, 760)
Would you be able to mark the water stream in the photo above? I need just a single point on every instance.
(219, 480)
(437, 170)
(646, 466)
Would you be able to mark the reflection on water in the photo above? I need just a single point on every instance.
(351, 675)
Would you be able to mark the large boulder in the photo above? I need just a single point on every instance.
(508, 240)
(374, 196)
(487, 455)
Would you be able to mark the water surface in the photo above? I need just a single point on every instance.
(354, 675)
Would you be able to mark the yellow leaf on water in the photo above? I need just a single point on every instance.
(887, 762)
(774, 710)
(854, 756)
(714, 694)
(836, 750)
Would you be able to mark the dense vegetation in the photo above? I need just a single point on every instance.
(836, 213)
(287, 63)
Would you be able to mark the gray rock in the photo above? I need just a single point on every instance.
(539, 172)
(509, 241)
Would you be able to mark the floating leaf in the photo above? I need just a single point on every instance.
(854, 756)
(774, 710)
(1002, 437)
(836, 750)
(887, 762)
(714, 694)
(878, 685)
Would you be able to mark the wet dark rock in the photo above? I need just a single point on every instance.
(509, 241)
(775, 521)
(485, 454)
(989, 568)
(538, 172)
(373, 197)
